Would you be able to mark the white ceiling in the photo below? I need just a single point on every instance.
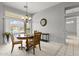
(33, 7)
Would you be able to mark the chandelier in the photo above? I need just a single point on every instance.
(27, 17)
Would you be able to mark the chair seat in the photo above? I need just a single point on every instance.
(30, 42)
(17, 42)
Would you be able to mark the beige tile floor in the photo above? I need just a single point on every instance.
(48, 49)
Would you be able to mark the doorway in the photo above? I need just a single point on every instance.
(72, 23)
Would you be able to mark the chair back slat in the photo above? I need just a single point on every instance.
(37, 37)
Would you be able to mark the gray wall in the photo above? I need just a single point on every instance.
(7, 8)
(1, 22)
(55, 21)
(17, 11)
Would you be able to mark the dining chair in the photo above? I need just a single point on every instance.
(15, 41)
(35, 41)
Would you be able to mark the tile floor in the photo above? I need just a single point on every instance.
(48, 49)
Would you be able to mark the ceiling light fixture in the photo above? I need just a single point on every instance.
(27, 17)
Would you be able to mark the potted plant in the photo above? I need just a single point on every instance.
(7, 34)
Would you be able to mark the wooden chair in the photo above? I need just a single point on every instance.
(36, 41)
(15, 41)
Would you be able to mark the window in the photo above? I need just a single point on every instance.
(16, 26)
(15, 23)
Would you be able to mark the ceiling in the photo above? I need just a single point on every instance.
(33, 7)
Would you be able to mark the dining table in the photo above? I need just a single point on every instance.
(25, 38)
